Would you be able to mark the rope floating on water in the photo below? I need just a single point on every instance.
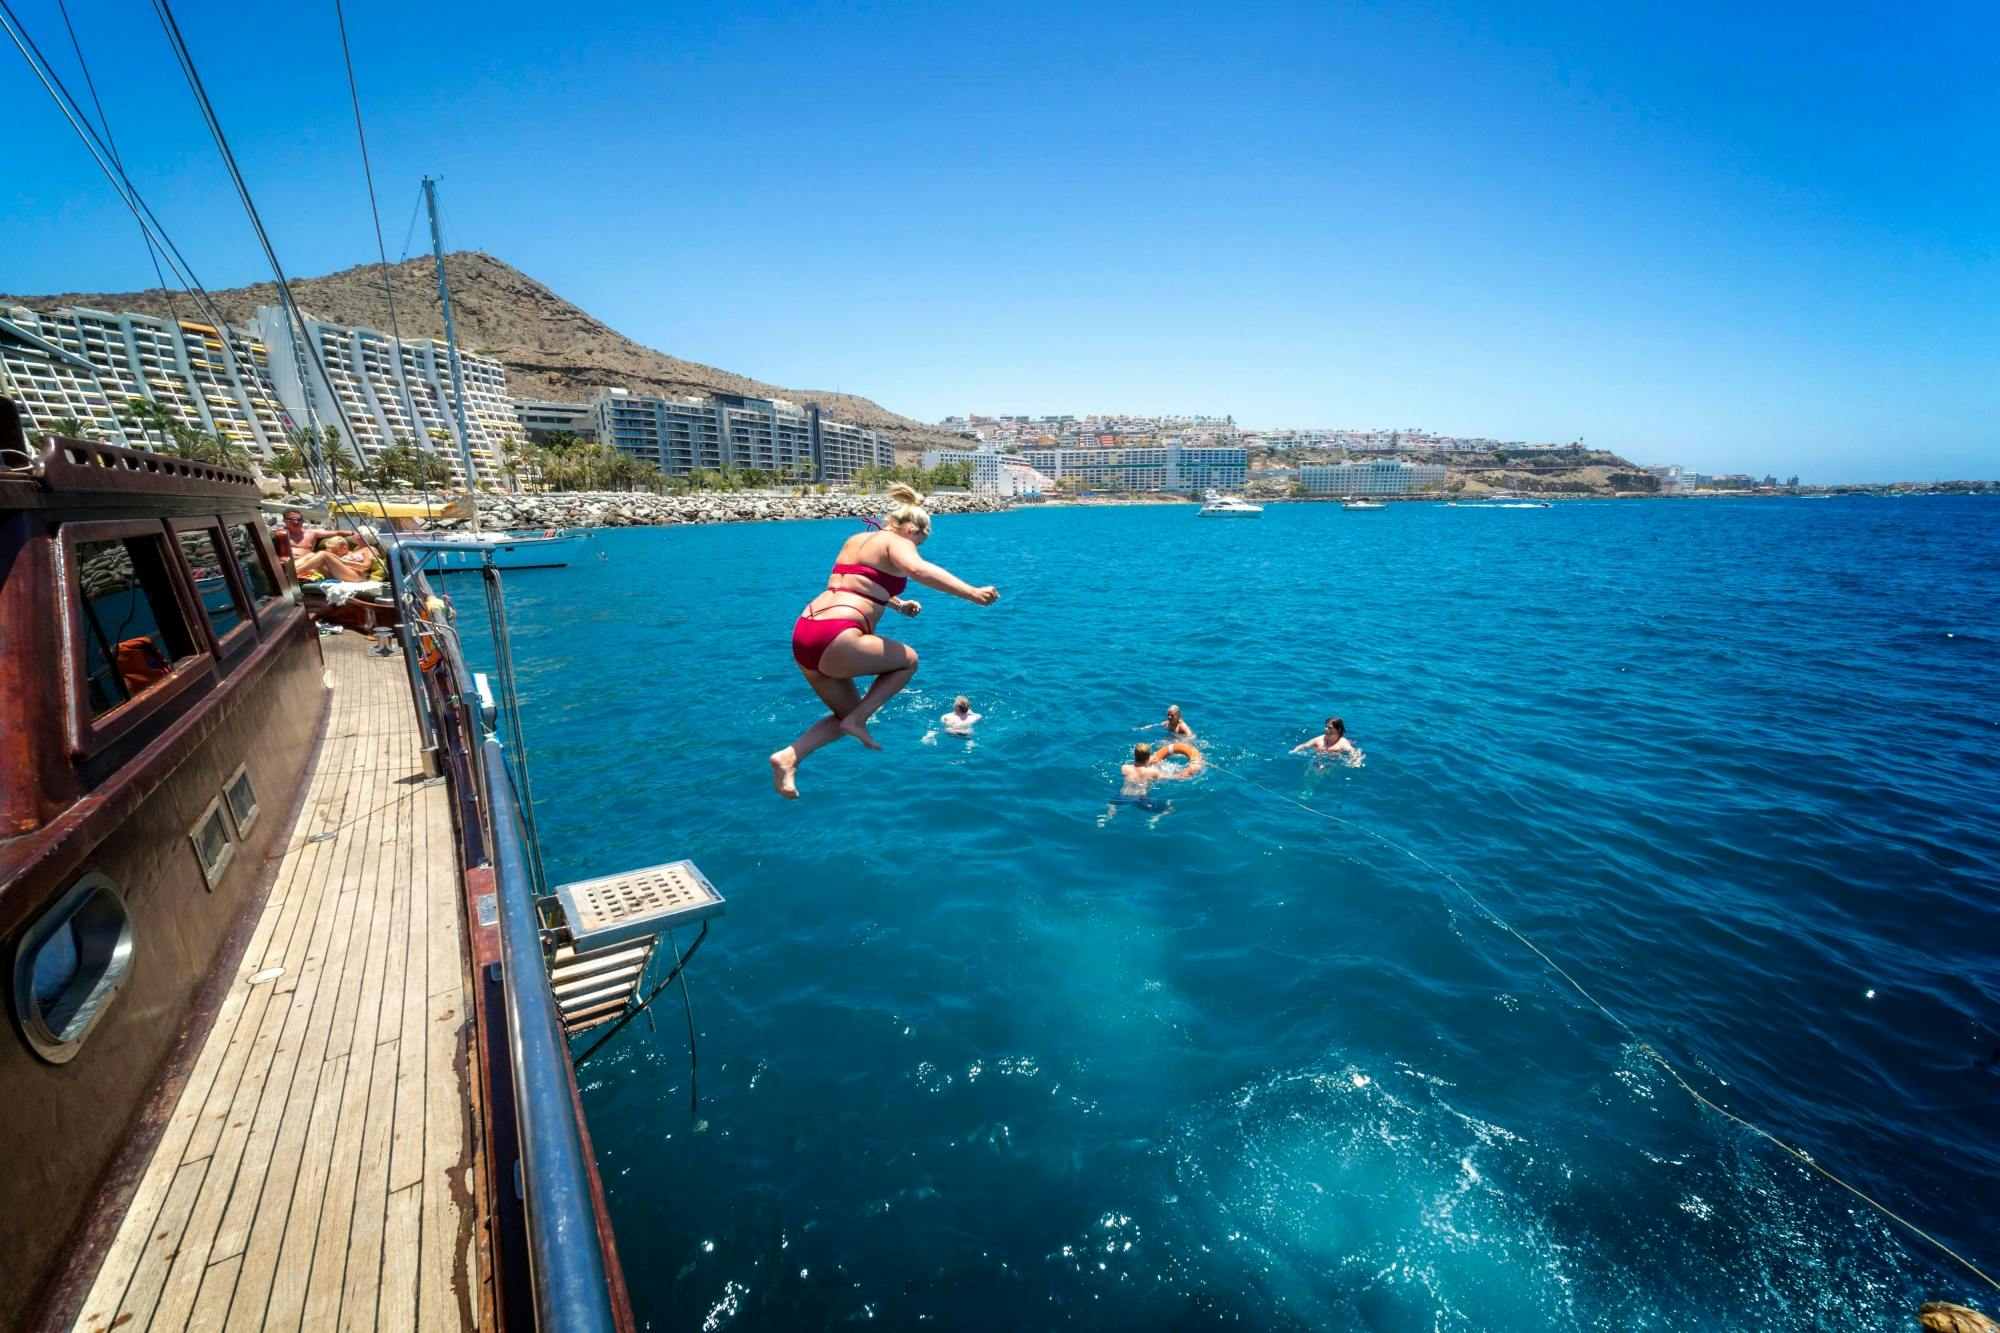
(1646, 1047)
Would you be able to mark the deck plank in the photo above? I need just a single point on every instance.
(216, 1074)
(316, 1167)
(211, 1306)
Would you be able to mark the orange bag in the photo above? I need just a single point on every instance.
(140, 664)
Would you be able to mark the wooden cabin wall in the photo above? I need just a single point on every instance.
(65, 1129)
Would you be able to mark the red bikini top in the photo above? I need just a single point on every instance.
(893, 584)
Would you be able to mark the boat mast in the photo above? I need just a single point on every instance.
(450, 339)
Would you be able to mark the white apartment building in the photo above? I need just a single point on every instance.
(1380, 476)
(994, 473)
(540, 418)
(390, 390)
(185, 365)
(50, 384)
(1171, 467)
(1674, 479)
(681, 435)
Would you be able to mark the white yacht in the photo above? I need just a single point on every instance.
(1351, 503)
(1228, 506)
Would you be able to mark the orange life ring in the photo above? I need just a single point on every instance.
(1181, 748)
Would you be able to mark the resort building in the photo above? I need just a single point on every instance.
(541, 419)
(681, 435)
(1380, 476)
(1674, 479)
(1171, 467)
(391, 390)
(211, 387)
(51, 384)
(994, 473)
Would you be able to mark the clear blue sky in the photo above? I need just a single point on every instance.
(1744, 237)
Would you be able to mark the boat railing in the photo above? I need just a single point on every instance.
(571, 1284)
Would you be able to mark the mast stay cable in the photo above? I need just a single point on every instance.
(381, 249)
(104, 121)
(127, 191)
(178, 42)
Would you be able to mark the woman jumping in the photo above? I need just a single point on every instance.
(835, 641)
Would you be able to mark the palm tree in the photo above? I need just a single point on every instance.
(285, 461)
(69, 427)
(146, 416)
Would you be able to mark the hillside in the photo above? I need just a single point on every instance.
(551, 348)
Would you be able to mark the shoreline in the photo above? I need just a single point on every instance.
(629, 509)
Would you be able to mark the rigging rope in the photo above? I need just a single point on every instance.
(115, 173)
(381, 249)
(165, 12)
(1645, 1047)
(152, 253)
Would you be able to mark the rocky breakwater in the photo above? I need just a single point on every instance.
(635, 509)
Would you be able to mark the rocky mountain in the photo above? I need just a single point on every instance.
(551, 348)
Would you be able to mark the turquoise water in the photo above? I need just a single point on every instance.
(971, 1057)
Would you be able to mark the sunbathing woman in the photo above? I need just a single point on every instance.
(339, 559)
(835, 641)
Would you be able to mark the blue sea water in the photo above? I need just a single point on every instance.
(973, 1056)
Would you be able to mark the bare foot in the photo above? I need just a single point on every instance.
(858, 730)
(785, 773)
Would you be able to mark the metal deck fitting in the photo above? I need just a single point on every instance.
(637, 904)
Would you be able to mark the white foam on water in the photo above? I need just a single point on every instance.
(1331, 1197)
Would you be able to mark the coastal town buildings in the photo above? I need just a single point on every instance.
(995, 473)
(680, 435)
(213, 381)
(1112, 430)
(1172, 467)
(1377, 476)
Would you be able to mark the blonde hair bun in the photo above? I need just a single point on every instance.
(909, 506)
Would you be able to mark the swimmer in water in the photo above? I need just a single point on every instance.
(1146, 767)
(1175, 726)
(961, 717)
(1332, 741)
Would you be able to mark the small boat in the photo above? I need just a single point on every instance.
(1228, 506)
(459, 553)
(1362, 504)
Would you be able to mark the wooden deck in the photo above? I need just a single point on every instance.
(317, 1171)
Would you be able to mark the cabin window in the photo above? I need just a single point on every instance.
(211, 581)
(134, 629)
(242, 798)
(257, 575)
(214, 843)
(69, 964)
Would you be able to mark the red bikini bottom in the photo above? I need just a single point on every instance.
(810, 637)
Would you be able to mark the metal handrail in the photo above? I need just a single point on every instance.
(567, 1260)
(567, 1269)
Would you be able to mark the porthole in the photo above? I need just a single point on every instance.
(69, 964)
(242, 798)
(213, 842)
